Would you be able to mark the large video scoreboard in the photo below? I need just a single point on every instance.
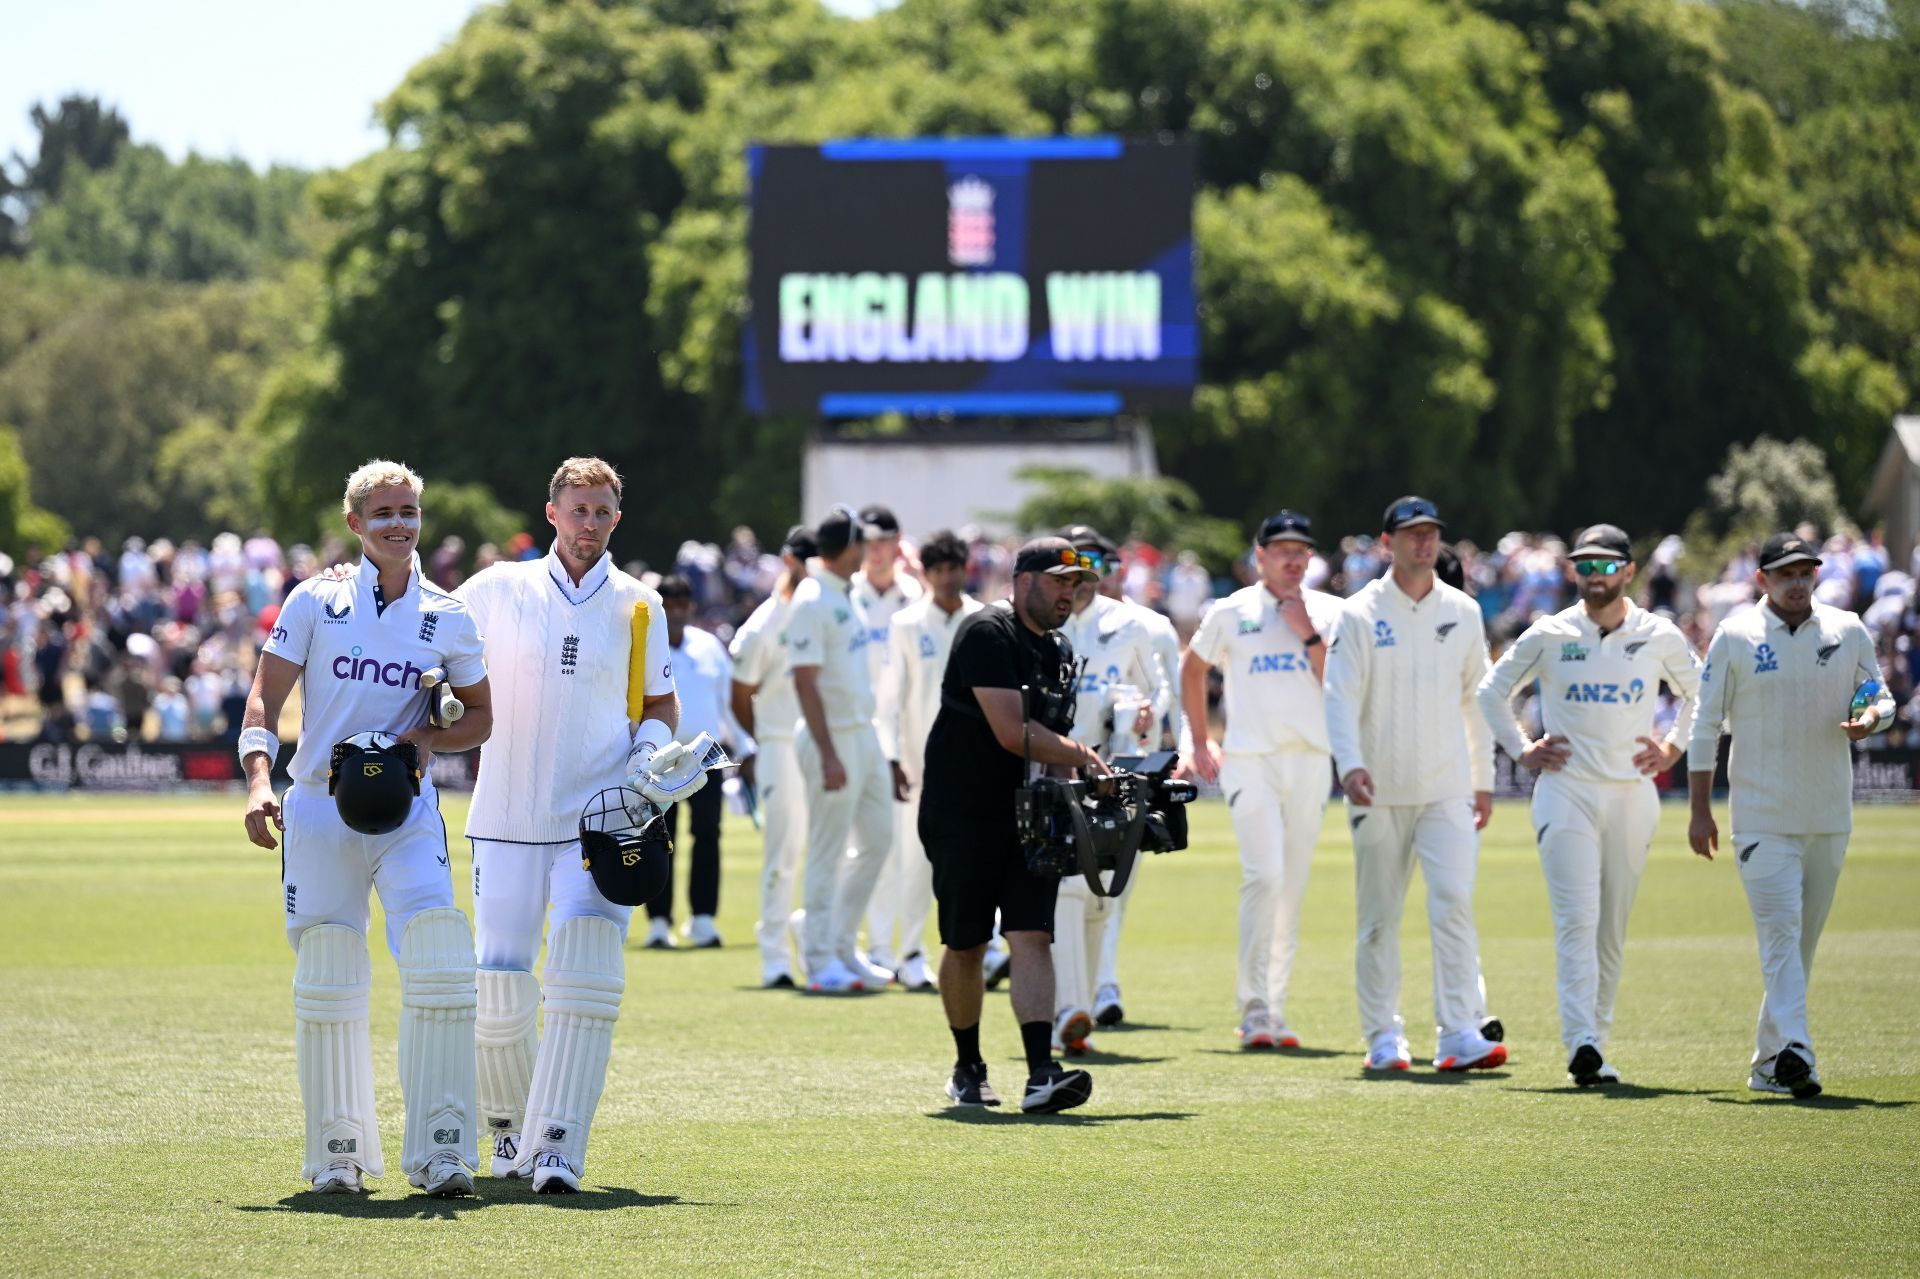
(971, 277)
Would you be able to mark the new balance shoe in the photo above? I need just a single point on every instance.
(872, 976)
(969, 1086)
(701, 932)
(914, 975)
(659, 935)
(1469, 1050)
(835, 979)
(1793, 1070)
(998, 962)
(553, 1175)
(443, 1177)
(341, 1177)
(1389, 1051)
(1055, 1089)
(776, 976)
(506, 1153)
(1587, 1068)
(1106, 1006)
(1256, 1028)
(1492, 1030)
(1071, 1031)
(1283, 1036)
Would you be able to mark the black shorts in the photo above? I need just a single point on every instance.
(979, 871)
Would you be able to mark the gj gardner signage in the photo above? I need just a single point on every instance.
(1049, 276)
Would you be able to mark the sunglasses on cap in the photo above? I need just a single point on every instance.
(1071, 558)
(1599, 568)
(1100, 561)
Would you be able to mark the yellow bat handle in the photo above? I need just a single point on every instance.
(637, 663)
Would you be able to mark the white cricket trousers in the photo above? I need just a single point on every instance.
(1790, 882)
(1593, 840)
(1080, 920)
(848, 833)
(328, 869)
(512, 886)
(783, 832)
(1276, 801)
(1387, 840)
(903, 895)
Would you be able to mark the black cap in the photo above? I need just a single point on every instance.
(877, 521)
(1055, 556)
(1086, 535)
(1783, 549)
(1408, 511)
(1286, 526)
(800, 543)
(1602, 540)
(840, 529)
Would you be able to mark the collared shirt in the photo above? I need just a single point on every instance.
(827, 630)
(1117, 648)
(920, 638)
(361, 667)
(1597, 691)
(1400, 681)
(590, 582)
(759, 652)
(1273, 700)
(1783, 694)
(703, 677)
(880, 607)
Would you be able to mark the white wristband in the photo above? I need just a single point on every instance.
(649, 737)
(259, 739)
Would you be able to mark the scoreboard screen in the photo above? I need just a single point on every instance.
(958, 277)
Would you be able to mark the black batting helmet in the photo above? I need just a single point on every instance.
(373, 780)
(625, 847)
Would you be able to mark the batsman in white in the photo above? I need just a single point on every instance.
(358, 645)
(1599, 665)
(586, 697)
(1779, 678)
(920, 637)
(767, 709)
(1274, 766)
(1416, 761)
(850, 796)
(1125, 691)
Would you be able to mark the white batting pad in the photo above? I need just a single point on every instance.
(436, 1038)
(585, 976)
(331, 978)
(504, 1040)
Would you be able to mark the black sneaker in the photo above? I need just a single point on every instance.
(1793, 1071)
(1491, 1029)
(969, 1086)
(1585, 1066)
(1056, 1088)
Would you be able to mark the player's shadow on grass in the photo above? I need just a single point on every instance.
(1281, 1054)
(1101, 1057)
(1625, 1092)
(1073, 1119)
(426, 1208)
(1825, 1101)
(1444, 1078)
(1122, 1028)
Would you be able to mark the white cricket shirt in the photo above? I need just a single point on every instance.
(1783, 694)
(703, 676)
(1598, 691)
(1114, 644)
(1400, 683)
(760, 659)
(1273, 700)
(361, 666)
(565, 678)
(920, 639)
(827, 630)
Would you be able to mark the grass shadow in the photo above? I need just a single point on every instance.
(1100, 1057)
(1071, 1119)
(1284, 1054)
(426, 1208)
(1445, 1078)
(1626, 1092)
(1825, 1101)
(1123, 1026)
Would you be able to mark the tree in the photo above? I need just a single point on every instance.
(80, 133)
(1157, 509)
(1760, 489)
(22, 524)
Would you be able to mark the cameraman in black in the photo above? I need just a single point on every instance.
(974, 766)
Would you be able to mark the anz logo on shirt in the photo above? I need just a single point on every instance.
(1608, 694)
(1765, 659)
(1275, 663)
(1382, 634)
(1092, 681)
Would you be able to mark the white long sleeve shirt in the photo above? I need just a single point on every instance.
(565, 676)
(1274, 701)
(759, 653)
(1400, 681)
(703, 676)
(1115, 645)
(1783, 694)
(1598, 691)
(920, 640)
(880, 608)
(827, 630)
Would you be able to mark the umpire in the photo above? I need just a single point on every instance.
(974, 766)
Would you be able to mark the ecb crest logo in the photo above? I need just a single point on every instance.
(1764, 660)
(970, 232)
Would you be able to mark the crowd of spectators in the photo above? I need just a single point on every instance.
(157, 642)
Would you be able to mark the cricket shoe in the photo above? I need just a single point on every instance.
(1492, 1031)
(659, 935)
(700, 931)
(1055, 1088)
(835, 979)
(506, 1154)
(1256, 1027)
(1283, 1036)
(913, 974)
(553, 1175)
(969, 1086)
(1071, 1032)
(1791, 1071)
(776, 976)
(1469, 1050)
(1106, 1006)
(1588, 1069)
(341, 1177)
(997, 964)
(444, 1177)
(1389, 1051)
(872, 976)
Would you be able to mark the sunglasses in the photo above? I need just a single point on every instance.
(1599, 568)
(1099, 561)
(1080, 559)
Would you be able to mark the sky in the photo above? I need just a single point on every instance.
(270, 81)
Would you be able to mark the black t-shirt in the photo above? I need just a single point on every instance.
(969, 776)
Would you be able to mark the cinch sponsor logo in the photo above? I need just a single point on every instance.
(1270, 663)
(1608, 694)
(371, 670)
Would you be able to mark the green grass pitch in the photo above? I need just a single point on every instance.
(149, 1120)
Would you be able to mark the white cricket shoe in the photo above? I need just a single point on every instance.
(659, 935)
(1072, 1032)
(1283, 1036)
(998, 962)
(1389, 1051)
(341, 1177)
(835, 979)
(1256, 1027)
(1106, 1006)
(553, 1175)
(881, 957)
(1469, 1050)
(776, 976)
(443, 1177)
(914, 974)
(506, 1153)
(701, 932)
(1791, 1071)
(872, 976)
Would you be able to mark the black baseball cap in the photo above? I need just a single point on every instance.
(1056, 557)
(877, 521)
(1285, 526)
(1603, 540)
(800, 543)
(1408, 511)
(1086, 535)
(1783, 549)
(840, 529)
